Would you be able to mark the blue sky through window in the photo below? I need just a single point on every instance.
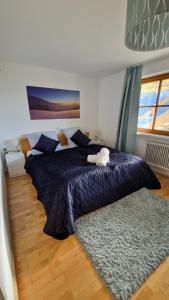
(148, 102)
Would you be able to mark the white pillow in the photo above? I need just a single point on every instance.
(58, 148)
(34, 137)
(65, 147)
(69, 132)
(33, 152)
(36, 152)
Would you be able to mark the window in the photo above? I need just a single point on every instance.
(154, 105)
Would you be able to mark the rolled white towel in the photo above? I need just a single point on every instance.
(92, 158)
(104, 152)
(101, 161)
(103, 157)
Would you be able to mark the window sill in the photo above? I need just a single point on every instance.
(152, 135)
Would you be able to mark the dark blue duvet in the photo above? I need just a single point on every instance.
(68, 186)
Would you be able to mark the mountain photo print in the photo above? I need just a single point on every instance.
(51, 103)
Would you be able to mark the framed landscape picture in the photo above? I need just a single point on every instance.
(50, 103)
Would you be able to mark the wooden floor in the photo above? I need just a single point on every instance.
(48, 269)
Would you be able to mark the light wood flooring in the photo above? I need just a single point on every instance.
(48, 269)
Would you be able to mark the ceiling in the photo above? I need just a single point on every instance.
(80, 36)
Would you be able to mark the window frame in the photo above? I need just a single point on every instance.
(153, 130)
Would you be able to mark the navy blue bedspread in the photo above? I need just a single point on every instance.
(68, 186)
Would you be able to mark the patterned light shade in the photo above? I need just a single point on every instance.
(147, 25)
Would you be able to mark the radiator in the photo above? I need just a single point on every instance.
(157, 155)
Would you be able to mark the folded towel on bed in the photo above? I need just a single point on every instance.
(102, 162)
(104, 152)
(100, 159)
(92, 158)
(103, 157)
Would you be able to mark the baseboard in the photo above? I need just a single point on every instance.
(160, 170)
(7, 270)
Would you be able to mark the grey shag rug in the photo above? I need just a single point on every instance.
(127, 240)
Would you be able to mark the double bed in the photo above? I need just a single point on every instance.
(69, 187)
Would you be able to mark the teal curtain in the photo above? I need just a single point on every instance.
(127, 126)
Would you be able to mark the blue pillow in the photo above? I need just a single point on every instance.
(46, 144)
(80, 139)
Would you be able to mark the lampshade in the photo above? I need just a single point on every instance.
(147, 25)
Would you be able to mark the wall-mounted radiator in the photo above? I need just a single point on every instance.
(157, 155)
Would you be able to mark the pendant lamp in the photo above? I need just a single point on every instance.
(147, 25)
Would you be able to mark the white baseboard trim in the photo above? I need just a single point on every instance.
(8, 282)
(160, 170)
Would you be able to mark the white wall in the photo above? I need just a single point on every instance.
(156, 67)
(7, 270)
(109, 106)
(14, 112)
(100, 100)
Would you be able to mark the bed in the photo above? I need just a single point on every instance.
(68, 186)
